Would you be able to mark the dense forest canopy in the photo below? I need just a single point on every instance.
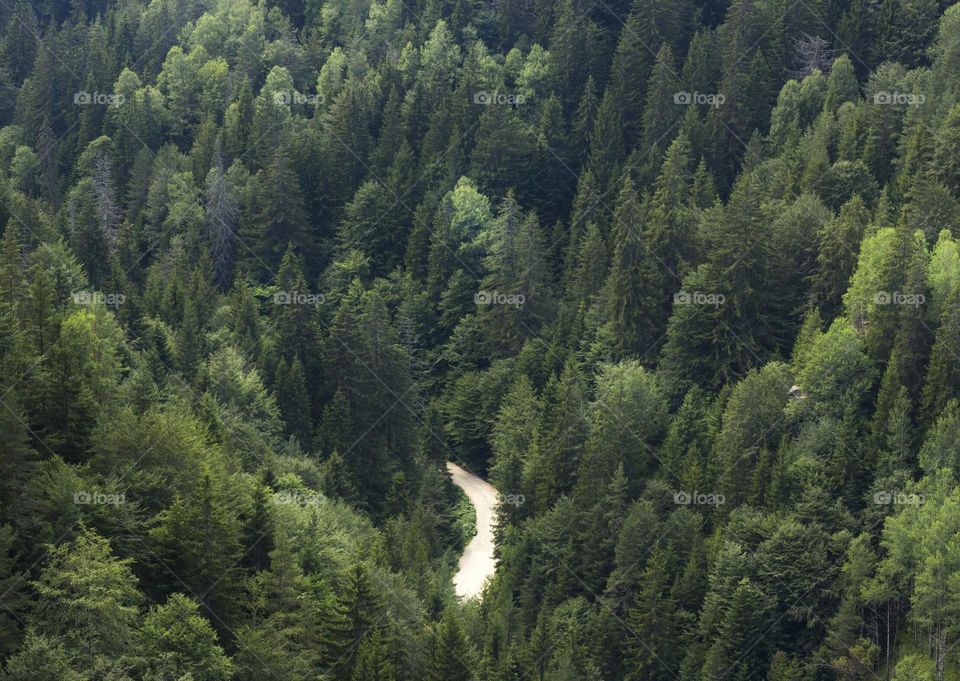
(680, 278)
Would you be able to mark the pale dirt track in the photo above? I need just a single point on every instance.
(476, 563)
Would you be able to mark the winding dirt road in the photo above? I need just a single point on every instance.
(476, 563)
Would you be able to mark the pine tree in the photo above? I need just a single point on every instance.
(17, 458)
(451, 655)
(277, 216)
(661, 113)
(295, 311)
(13, 596)
(259, 527)
(559, 438)
(373, 661)
(294, 400)
(90, 598)
(200, 539)
(634, 318)
(944, 165)
(585, 117)
(360, 603)
(942, 381)
(842, 85)
(512, 436)
(671, 222)
(504, 153)
(606, 145)
(628, 416)
(652, 647)
(914, 30)
(516, 266)
(550, 187)
(836, 257)
(590, 266)
(632, 62)
(727, 332)
(189, 349)
(238, 122)
(744, 627)
(571, 52)
(176, 640)
(347, 140)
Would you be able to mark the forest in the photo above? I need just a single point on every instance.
(679, 278)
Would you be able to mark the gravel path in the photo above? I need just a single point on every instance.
(476, 563)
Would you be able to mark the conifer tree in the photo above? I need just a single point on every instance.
(277, 216)
(96, 631)
(634, 322)
(942, 381)
(451, 655)
(652, 646)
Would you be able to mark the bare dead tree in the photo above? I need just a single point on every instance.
(812, 53)
(105, 199)
(222, 216)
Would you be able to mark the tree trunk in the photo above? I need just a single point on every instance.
(941, 645)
